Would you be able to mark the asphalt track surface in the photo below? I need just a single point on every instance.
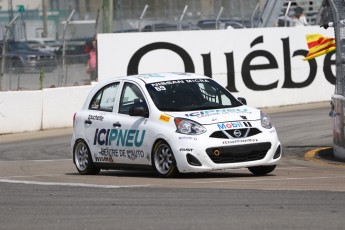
(41, 189)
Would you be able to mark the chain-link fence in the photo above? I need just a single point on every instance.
(36, 74)
(337, 13)
(337, 8)
(126, 14)
(24, 79)
(25, 65)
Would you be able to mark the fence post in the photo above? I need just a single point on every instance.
(142, 16)
(218, 17)
(107, 16)
(182, 16)
(338, 99)
(62, 72)
(3, 53)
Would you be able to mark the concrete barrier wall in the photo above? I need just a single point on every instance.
(20, 111)
(60, 104)
(23, 111)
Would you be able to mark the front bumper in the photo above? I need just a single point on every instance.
(40, 65)
(201, 154)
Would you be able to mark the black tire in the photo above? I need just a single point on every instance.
(262, 170)
(83, 160)
(163, 160)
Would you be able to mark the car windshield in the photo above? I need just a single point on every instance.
(190, 95)
(17, 45)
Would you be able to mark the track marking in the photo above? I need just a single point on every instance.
(28, 176)
(268, 179)
(289, 168)
(51, 160)
(69, 184)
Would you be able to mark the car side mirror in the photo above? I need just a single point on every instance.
(242, 100)
(138, 111)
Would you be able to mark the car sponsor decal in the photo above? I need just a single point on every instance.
(157, 85)
(188, 138)
(186, 150)
(119, 137)
(104, 159)
(250, 140)
(213, 112)
(234, 125)
(134, 154)
(95, 117)
(164, 118)
(108, 153)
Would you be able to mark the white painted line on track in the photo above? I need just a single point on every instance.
(69, 184)
(18, 176)
(37, 160)
(289, 168)
(267, 179)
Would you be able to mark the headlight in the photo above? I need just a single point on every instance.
(32, 58)
(265, 121)
(189, 127)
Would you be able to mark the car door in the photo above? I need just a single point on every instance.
(130, 137)
(97, 121)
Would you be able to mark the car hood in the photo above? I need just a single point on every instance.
(212, 116)
(31, 52)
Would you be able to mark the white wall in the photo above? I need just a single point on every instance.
(270, 49)
(60, 104)
(117, 50)
(22, 111)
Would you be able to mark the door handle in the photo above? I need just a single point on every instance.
(117, 124)
(88, 122)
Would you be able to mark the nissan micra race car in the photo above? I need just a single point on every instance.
(174, 123)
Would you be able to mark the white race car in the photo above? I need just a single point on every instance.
(174, 123)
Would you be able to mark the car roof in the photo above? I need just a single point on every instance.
(39, 39)
(149, 78)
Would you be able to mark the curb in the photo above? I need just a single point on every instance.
(324, 156)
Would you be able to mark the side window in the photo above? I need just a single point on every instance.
(104, 99)
(131, 96)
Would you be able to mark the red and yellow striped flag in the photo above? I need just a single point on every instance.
(318, 45)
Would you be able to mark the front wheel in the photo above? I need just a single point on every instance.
(262, 170)
(163, 160)
(83, 160)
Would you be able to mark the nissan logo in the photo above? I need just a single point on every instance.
(237, 133)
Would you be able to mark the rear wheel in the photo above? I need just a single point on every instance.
(262, 170)
(83, 160)
(163, 160)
